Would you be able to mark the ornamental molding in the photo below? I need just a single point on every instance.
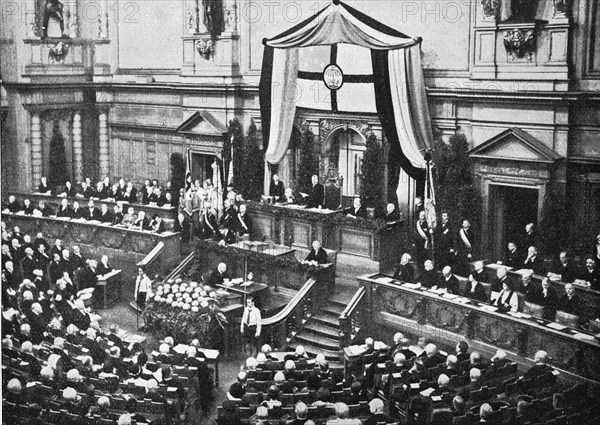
(520, 43)
(328, 126)
(205, 47)
(491, 9)
(58, 52)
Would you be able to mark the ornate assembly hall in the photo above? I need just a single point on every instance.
(309, 212)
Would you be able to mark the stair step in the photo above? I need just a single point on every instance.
(322, 329)
(333, 309)
(318, 341)
(330, 355)
(326, 319)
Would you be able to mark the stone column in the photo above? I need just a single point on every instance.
(36, 148)
(77, 147)
(103, 143)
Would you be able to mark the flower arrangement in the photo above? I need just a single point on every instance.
(185, 311)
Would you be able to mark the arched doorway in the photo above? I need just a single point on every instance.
(345, 149)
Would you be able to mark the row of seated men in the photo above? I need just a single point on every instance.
(151, 193)
(303, 391)
(88, 376)
(114, 217)
(38, 268)
(501, 291)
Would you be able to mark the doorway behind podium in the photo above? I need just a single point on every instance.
(511, 208)
(201, 165)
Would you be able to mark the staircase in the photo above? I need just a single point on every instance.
(321, 332)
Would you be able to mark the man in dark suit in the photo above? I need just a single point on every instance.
(548, 300)
(564, 268)
(77, 260)
(44, 209)
(92, 213)
(475, 291)
(70, 191)
(96, 352)
(570, 302)
(445, 242)
(464, 247)
(86, 190)
(77, 211)
(87, 276)
(533, 261)
(501, 279)
(391, 214)
(117, 215)
(479, 274)
(316, 197)
(218, 275)
(276, 188)
(244, 222)
(357, 210)
(422, 239)
(27, 207)
(429, 277)
(540, 368)
(529, 238)
(228, 221)
(29, 264)
(105, 214)
(208, 223)
(530, 289)
(448, 281)
(13, 205)
(405, 271)
(512, 257)
(64, 210)
(591, 273)
(317, 253)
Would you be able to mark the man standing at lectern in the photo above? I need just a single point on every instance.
(316, 197)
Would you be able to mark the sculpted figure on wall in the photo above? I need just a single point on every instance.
(53, 9)
(213, 16)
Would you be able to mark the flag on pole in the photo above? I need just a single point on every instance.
(230, 175)
(430, 199)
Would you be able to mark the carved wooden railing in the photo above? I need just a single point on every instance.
(279, 329)
(150, 263)
(352, 318)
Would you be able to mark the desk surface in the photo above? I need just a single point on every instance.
(264, 248)
(251, 289)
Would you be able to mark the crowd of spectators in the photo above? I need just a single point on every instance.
(404, 383)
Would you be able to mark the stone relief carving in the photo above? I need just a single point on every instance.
(205, 48)
(519, 43)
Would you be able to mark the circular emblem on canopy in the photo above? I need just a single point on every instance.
(333, 77)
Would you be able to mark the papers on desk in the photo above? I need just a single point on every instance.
(356, 350)
(497, 266)
(489, 308)
(450, 296)
(384, 279)
(463, 300)
(556, 326)
(523, 272)
(427, 392)
(413, 286)
(438, 291)
(247, 283)
(237, 281)
(519, 315)
(583, 337)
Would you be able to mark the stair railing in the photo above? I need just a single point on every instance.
(278, 330)
(180, 268)
(352, 318)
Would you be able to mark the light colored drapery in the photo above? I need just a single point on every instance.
(283, 102)
(336, 25)
(409, 100)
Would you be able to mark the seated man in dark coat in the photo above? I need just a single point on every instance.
(591, 274)
(479, 274)
(91, 213)
(106, 215)
(44, 209)
(448, 281)
(548, 300)
(540, 368)
(317, 253)
(64, 210)
(218, 276)
(13, 205)
(570, 301)
(391, 214)
(563, 269)
(513, 257)
(357, 210)
(405, 272)
(28, 208)
(475, 291)
(428, 278)
(533, 261)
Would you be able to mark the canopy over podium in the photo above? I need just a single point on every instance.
(328, 48)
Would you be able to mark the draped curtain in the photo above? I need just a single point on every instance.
(397, 80)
